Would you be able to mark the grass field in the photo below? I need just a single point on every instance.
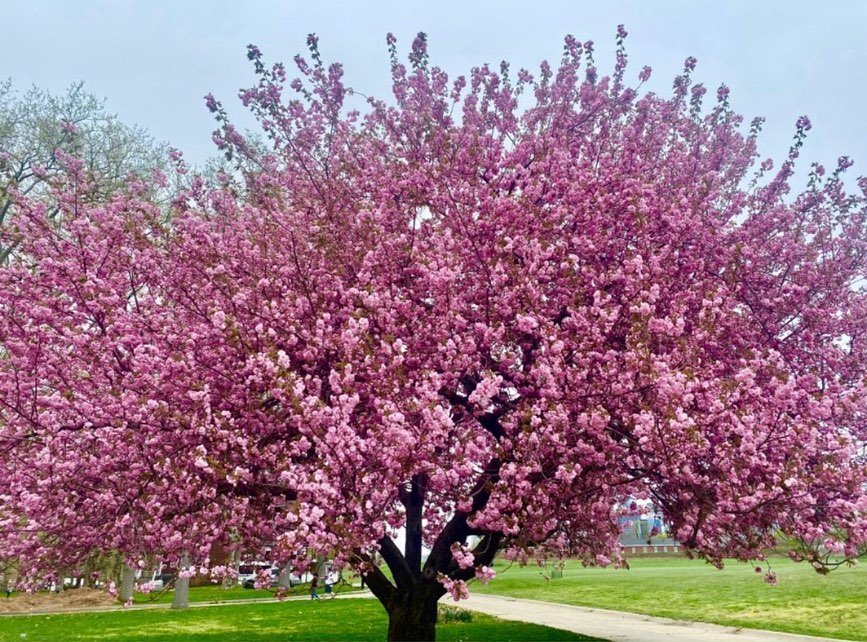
(220, 594)
(198, 594)
(347, 619)
(804, 602)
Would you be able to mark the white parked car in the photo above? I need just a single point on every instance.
(248, 573)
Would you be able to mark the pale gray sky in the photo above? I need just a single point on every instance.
(154, 60)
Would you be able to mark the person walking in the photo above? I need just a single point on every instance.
(330, 580)
(314, 584)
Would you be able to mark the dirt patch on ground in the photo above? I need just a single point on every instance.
(82, 598)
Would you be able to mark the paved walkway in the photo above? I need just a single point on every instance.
(618, 626)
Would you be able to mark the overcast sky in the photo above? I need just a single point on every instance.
(154, 60)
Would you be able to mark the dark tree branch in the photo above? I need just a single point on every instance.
(490, 421)
(400, 570)
(484, 553)
(254, 489)
(457, 529)
(376, 579)
(413, 501)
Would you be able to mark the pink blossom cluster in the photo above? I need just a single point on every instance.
(220, 573)
(456, 588)
(263, 579)
(463, 556)
(485, 574)
(145, 587)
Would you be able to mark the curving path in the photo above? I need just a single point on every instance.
(618, 626)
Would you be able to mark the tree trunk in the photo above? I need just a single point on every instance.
(412, 615)
(58, 586)
(127, 582)
(284, 580)
(234, 561)
(181, 599)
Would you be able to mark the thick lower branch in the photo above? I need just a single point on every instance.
(484, 553)
(413, 502)
(400, 570)
(376, 580)
(457, 529)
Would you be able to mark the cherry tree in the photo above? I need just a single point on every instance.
(490, 310)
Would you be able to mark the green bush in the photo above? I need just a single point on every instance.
(446, 613)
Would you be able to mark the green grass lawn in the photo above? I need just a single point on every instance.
(216, 593)
(804, 602)
(211, 594)
(347, 619)
(220, 594)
